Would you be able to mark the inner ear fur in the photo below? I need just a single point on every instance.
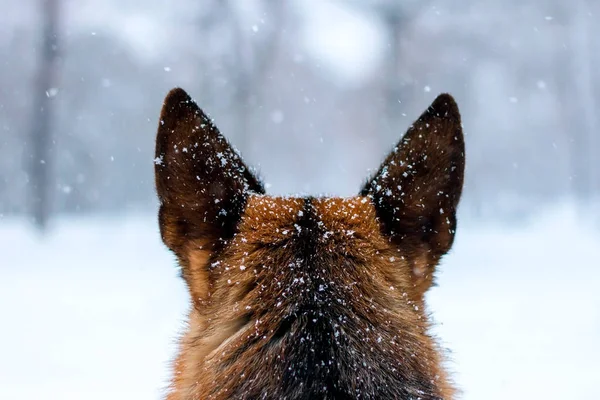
(201, 181)
(417, 189)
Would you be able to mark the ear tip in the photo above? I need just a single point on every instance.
(177, 98)
(177, 106)
(445, 106)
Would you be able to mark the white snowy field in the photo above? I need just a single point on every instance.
(92, 310)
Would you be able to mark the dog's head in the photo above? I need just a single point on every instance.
(262, 270)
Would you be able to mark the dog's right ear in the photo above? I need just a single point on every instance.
(201, 181)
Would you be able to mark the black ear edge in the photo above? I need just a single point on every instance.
(254, 181)
(177, 103)
(179, 106)
(444, 106)
(177, 94)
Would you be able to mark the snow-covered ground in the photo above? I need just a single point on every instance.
(92, 311)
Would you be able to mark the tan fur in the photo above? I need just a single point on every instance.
(354, 230)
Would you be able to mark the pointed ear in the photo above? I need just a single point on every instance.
(201, 181)
(417, 189)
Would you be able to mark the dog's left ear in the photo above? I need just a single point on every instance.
(201, 181)
(417, 188)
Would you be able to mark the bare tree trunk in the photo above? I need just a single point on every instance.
(584, 82)
(41, 118)
(578, 99)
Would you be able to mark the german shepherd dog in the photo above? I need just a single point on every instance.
(307, 297)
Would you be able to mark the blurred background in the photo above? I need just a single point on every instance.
(314, 93)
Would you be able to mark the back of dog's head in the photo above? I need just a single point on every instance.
(303, 298)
